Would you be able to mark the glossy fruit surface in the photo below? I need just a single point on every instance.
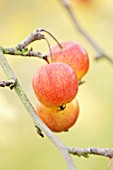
(56, 120)
(73, 54)
(55, 84)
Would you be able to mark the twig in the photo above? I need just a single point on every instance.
(109, 164)
(21, 49)
(85, 152)
(100, 52)
(10, 75)
(36, 35)
(37, 121)
(24, 52)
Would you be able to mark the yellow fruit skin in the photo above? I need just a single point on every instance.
(56, 120)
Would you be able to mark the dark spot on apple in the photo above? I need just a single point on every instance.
(62, 107)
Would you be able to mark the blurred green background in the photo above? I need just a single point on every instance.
(20, 146)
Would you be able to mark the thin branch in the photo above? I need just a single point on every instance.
(36, 35)
(109, 164)
(85, 152)
(21, 49)
(37, 121)
(100, 52)
(24, 52)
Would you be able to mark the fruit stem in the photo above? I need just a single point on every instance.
(49, 50)
(52, 37)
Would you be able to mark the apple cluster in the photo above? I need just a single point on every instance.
(56, 85)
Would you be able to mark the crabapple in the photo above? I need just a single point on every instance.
(55, 84)
(56, 120)
(73, 54)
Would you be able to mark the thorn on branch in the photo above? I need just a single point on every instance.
(81, 82)
(39, 132)
(11, 83)
(46, 59)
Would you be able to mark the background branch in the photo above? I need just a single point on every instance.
(100, 52)
(37, 121)
(85, 152)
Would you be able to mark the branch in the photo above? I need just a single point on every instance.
(24, 52)
(37, 121)
(36, 35)
(85, 152)
(100, 52)
(21, 49)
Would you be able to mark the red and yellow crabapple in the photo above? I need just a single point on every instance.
(55, 84)
(56, 120)
(73, 54)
